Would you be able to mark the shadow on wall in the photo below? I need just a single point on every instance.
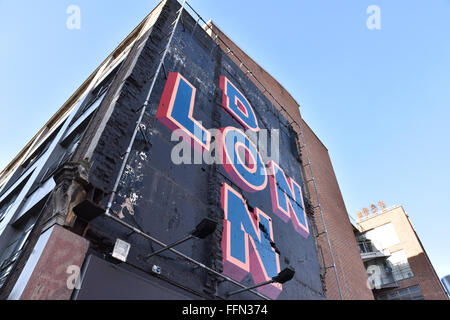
(414, 279)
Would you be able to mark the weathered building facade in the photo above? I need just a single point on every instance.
(103, 169)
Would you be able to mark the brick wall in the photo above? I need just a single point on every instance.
(424, 274)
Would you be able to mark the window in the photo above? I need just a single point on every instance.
(400, 266)
(16, 241)
(11, 254)
(9, 200)
(383, 237)
(68, 147)
(31, 160)
(40, 150)
(4, 207)
(410, 293)
(365, 246)
(98, 93)
(379, 273)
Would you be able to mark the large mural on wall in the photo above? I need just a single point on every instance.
(245, 248)
(218, 148)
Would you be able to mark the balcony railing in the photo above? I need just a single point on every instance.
(368, 251)
(382, 278)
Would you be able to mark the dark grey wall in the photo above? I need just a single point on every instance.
(105, 280)
(169, 200)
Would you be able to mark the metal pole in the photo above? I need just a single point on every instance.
(201, 265)
(169, 246)
(141, 115)
(322, 217)
(249, 288)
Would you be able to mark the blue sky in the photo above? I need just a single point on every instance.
(378, 99)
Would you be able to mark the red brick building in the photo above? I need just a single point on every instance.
(397, 263)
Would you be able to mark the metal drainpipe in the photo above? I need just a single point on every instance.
(325, 231)
(141, 115)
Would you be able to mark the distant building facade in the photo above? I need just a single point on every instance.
(446, 282)
(397, 265)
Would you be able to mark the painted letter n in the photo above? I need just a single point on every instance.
(287, 199)
(246, 243)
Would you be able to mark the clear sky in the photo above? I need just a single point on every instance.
(378, 99)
